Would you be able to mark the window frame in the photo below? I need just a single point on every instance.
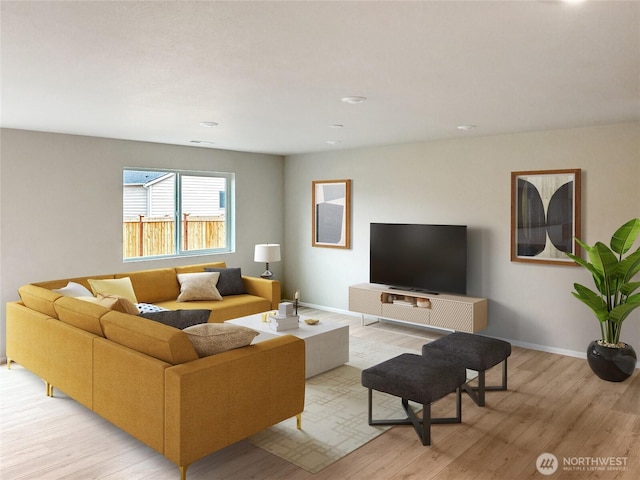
(228, 208)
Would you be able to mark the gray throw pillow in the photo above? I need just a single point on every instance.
(179, 318)
(230, 281)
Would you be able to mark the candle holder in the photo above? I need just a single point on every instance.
(296, 297)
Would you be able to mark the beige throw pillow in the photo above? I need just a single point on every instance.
(211, 338)
(119, 304)
(121, 287)
(198, 286)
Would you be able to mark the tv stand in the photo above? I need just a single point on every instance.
(451, 312)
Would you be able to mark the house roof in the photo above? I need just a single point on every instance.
(272, 74)
(139, 177)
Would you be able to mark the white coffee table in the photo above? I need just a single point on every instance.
(326, 343)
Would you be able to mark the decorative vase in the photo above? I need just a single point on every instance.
(611, 363)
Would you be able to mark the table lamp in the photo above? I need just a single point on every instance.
(267, 253)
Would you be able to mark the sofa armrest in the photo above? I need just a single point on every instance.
(215, 401)
(263, 287)
(27, 338)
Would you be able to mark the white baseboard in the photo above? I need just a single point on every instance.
(530, 346)
(559, 351)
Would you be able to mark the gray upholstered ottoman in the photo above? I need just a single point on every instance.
(475, 352)
(421, 379)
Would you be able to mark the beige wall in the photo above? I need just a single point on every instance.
(60, 211)
(467, 181)
(61, 205)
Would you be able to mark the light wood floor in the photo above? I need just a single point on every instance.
(554, 404)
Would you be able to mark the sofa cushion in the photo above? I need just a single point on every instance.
(121, 287)
(146, 336)
(81, 314)
(211, 338)
(155, 285)
(199, 267)
(230, 281)
(179, 318)
(233, 306)
(198, 286)
(73, 289)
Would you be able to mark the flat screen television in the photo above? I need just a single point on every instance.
(424, 258)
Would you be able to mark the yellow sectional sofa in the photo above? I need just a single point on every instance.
(146, 377)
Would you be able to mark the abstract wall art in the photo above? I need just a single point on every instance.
(331, 205)
(545, 215)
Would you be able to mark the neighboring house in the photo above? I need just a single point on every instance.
(137, 193)
(152, 194)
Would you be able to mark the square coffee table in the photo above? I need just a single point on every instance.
(326, 343)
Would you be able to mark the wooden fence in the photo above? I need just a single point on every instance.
(148, 236)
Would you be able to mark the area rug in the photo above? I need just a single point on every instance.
(334, 422)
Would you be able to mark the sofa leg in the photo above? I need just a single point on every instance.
(183, 471)
(299, 421)
(9, 363)
(49, 388)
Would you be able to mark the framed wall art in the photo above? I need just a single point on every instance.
(545, 216)
(331, 205)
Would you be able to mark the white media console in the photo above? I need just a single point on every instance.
(451, 312)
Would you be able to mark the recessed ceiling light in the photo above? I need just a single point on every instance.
(202, 142)
(337, 125)
(334, 142)
(354, 100)
(466, 127)
(209, 124)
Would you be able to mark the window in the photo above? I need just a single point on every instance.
(170, 213)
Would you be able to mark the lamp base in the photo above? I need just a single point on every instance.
(267, 274)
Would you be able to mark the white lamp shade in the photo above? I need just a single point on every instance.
(267, 252)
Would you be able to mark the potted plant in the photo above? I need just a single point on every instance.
(613, 299)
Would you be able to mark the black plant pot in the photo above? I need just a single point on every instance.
(614, 364)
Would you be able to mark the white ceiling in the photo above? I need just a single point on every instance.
(272, 73)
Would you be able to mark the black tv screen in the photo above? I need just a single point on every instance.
(426, 258)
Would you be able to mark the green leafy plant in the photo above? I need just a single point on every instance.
(614, 299)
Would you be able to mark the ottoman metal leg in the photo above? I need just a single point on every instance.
(421, 426)
(477, 394)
